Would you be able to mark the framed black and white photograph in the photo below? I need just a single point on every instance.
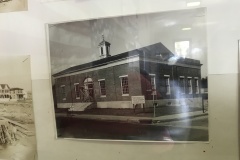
(13, 5)
(17, 126)
(137, 77)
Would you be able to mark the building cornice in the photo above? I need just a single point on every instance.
(171, 64)
(102, 66)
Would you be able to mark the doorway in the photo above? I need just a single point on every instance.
(88, 89)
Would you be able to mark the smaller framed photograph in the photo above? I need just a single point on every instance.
(13, 5)
(17, 127)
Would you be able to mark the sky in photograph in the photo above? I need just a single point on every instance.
(75, 43)
(15, 71)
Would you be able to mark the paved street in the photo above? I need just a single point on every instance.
(194, 129)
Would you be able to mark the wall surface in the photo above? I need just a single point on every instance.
(112, 80)
(24, 33)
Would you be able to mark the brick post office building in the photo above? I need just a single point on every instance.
(152, 71)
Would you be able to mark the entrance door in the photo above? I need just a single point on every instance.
(88, 89)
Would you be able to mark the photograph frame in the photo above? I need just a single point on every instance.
(49, 56)
(18, 126)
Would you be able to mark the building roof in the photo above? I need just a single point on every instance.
(155, 51)
(104, 42)
(12, 89)
(4, 86)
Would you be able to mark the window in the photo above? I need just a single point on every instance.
(182, 48)
(189, 85)
(101, 50)
(102, 87)
(124, 85)
(107, 48)
(181, 85)
(77, 90)
(153, 83)
(196, 85)
(167, 84)
(63, 92)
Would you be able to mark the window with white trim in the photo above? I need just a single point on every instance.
(124, 85)
(63, 92)
(167, 84)
(182, 84)
(189, 85)
(196, 85)
(153, 83)
(102, 87)
(77, 90)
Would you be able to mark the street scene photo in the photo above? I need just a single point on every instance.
(17, 128)
(132, 78)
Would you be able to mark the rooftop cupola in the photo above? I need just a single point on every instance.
(104, 48)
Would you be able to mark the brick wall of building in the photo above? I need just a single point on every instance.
(190, 72)
(160, 71)
(59, 82)
(112, 83)
(138, 80)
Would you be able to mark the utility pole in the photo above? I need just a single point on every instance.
(154, 112)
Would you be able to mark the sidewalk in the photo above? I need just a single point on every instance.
(134, 119)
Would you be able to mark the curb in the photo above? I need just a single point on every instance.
(114, 120)
(128, 120)
(137, 119)
(178, 119)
